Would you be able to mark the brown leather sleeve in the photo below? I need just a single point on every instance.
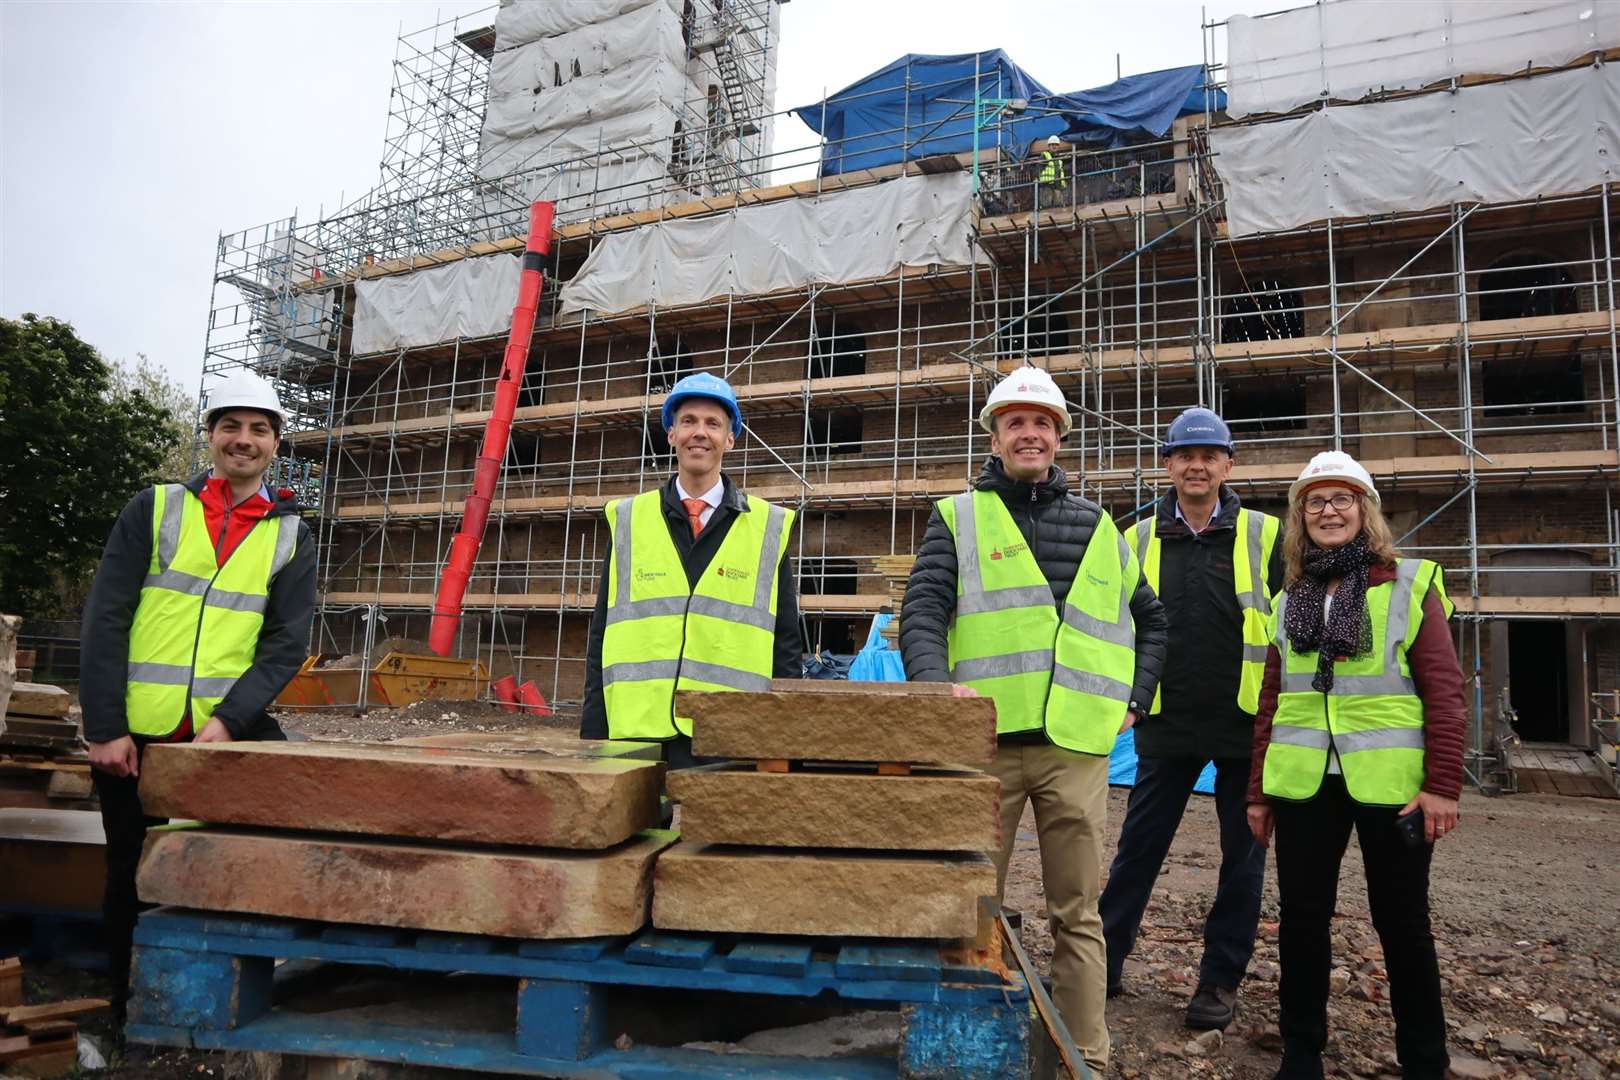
(1439, 681)
(1262, 722)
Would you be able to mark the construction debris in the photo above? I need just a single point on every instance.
(554, 799)
(503, 892)
(38, 1040)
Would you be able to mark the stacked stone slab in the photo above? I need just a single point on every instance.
(881, 825)
(534, 836)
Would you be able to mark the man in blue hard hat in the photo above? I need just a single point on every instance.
(697, 590)
(1215, 565)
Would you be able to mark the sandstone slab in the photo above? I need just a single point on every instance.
(831, 807)
(820, 893)
(875, 722)
(539, 741)
(38, 699)
(504, 892)
(380, 789)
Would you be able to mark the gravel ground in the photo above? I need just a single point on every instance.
(1526, 903)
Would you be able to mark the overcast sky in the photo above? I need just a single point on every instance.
(133, 134)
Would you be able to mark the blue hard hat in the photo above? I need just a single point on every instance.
(703, 385)
(1199, 427)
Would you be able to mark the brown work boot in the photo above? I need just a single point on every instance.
(1212, 1007)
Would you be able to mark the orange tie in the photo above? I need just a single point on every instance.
(694, 514)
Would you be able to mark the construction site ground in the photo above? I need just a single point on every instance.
(1526, 901)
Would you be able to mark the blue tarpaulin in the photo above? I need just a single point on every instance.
(876, 662)
(1122, 766)
(921, 105)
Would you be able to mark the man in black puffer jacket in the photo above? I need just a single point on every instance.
(1056, 623)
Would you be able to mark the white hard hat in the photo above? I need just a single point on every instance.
(1334, 465)
(1053, 140)
(1026, 386)
(245, 390)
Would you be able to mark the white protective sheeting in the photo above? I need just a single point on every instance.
(1346, 49)
(1491, 143)
(465, 298)
(522, 21)
(846, 236)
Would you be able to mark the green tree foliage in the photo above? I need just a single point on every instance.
(190, 451)
(76, 442)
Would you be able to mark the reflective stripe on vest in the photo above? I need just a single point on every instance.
(1372, 717)
(1070, 676)
(196, 627)
(1250, 561)
(660, 635)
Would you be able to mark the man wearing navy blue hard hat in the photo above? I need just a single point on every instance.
(697, 588)
(1215, 565)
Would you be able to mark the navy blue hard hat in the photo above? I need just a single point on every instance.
(703, 385)
(1198, 427)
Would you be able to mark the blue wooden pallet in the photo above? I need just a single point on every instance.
(205, 980)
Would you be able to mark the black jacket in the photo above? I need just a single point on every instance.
(1201, 717)
(1057, 526)
(788, 662)
(110, 611)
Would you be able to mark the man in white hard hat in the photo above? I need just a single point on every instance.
(198, 616)
(1053, 182)
(1026, 592)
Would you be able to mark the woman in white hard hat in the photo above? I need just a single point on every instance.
(1361, 724)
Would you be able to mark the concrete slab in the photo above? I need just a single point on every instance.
(381, 789)
(502, 892)
(834, 807)
(820, 893)
(879, 722)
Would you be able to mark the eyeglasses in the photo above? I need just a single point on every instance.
(1340, 502)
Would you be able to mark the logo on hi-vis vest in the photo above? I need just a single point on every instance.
(1095, 580)
(649, 575)
(997, 554)
(731, 573)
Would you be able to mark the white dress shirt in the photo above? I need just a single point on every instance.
(712, 497)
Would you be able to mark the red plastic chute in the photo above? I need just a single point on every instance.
(534, 702)
(470, 536)
(506, 692)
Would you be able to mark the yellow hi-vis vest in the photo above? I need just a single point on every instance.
(1372, 716)
(1052, 171)
(196, 627)
(1070, 676)
(1258, 533)
(662, 636)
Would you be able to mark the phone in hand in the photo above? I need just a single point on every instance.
(1410, 826)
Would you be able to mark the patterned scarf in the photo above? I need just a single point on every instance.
(1348, 631)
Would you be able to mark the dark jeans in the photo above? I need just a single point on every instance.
(1311, 839)
(1163, 786)
(125, 826)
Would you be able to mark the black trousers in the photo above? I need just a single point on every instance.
(1157, 803)
(125, 825)
(1311, 839)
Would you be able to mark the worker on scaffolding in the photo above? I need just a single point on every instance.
(1052, 184)
(198, 617)
(1026, 592)
(697, 591)
(1215, 564)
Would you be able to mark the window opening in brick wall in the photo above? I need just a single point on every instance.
(834, 432)
(1521, 286)
(1048, 333)
(1525, 380)
(667, 364)
(1262, 405)
(1270, 308)
(837, 348)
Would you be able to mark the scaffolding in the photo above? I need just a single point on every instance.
(1467, 354)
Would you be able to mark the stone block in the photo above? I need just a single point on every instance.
(500, 891)
(804, 720)
(380, 789)
(38, 699)
(832, 807)
(537, 741)
(820, 893)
